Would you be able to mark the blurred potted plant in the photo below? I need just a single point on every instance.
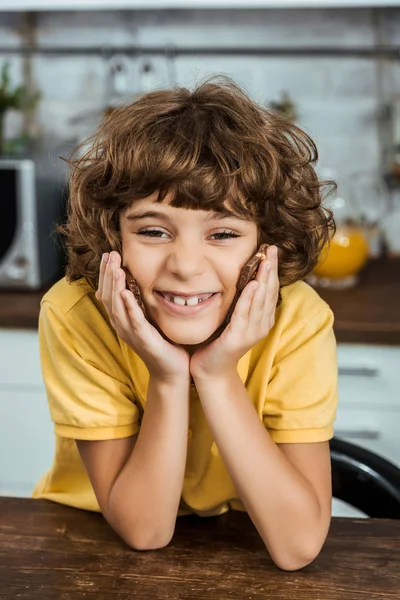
(285, 107)
(13, 98)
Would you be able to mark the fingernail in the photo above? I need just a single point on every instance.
(104, 258)
(116, 274)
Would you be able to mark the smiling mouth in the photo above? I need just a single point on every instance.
(190, 301)
(184, 308)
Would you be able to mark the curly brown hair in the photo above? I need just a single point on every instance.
(201, 147)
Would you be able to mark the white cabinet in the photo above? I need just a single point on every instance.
(369, 404)
(19, 359)
(26, 440)
(377, 431)
(369, 398)
(26, 431)
(33, 5)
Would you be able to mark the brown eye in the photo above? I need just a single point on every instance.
(228, 234)
(148, 232)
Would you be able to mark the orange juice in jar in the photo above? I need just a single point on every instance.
(341, 261)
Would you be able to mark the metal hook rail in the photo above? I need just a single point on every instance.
(368, 53)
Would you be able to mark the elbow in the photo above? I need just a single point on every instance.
(148, 541)
(294, 564)
(139, 534)
(301, 552)
(296, 560)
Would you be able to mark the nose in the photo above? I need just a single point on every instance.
(186, 261)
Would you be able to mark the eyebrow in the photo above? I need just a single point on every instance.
(155, 214)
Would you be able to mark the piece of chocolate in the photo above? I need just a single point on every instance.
(249, 271)
(133, 287)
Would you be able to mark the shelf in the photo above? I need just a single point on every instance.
(66, 5)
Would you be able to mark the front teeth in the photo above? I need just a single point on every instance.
(189, 302)
(179, 301)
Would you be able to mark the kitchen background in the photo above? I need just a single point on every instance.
(334, 71)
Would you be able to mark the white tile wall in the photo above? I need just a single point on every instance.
(336, 97)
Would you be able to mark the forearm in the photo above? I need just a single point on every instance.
(145, 497)
(278, 499)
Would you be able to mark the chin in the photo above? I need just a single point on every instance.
(184, 335)
(186, 339)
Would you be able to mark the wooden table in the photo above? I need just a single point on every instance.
(53, 552)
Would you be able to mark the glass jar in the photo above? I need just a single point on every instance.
(342, 259)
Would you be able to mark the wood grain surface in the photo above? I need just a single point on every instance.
(53, 552)
(370, 312)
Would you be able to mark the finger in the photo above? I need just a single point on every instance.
(118, 308)
(268, 264)
(242, 310)
(261, 295)
(274, 259)
(134, 313)
(273, 280)
(263, 307)
(263, 273)
(267, 275)
(271, 292)
(113, 263)
(102, 270)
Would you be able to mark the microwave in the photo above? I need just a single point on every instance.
(31, 254)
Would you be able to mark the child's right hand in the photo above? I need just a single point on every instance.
(164, 361)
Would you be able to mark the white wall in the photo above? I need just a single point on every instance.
(336, 97)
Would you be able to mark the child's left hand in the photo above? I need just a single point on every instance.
(251, 321)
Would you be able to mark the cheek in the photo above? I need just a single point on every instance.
(136, 262)
(139, 272)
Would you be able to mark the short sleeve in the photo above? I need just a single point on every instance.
(302, 392)
(89, 393)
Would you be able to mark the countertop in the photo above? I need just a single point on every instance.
(368, 313)
(54, 552)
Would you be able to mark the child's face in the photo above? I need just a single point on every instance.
(191, 253)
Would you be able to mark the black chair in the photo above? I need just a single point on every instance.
(365, 480)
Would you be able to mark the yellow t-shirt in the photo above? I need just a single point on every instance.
(97, 387)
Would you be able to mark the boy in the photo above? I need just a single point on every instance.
(153, 417)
